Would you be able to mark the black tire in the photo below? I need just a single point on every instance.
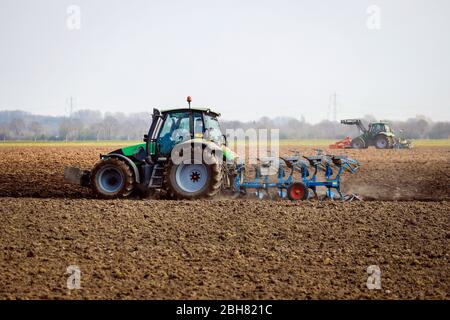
(112, 174)
(382, 142)
(358, 143)
(212, 185)
(297, 191)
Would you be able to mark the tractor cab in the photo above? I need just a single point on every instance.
(174, 126)
(180, 125)
(377, 127)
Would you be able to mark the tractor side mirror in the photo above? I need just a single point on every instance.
(145, 137)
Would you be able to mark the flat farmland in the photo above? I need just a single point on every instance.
(224, 248)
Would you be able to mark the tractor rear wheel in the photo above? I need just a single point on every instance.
(195, 180)
(297, 191)
(112, 178)
(382, 142)
(358, 143)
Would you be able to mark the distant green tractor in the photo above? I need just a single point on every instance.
(379, 135)
(184, 156)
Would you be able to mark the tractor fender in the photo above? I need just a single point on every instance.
(196, 142)
(228, 155)
(387, 134)
(127, 161)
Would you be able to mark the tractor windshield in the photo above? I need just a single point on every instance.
(387, 128)
(212, 128)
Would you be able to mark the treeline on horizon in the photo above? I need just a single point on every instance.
(94, 125)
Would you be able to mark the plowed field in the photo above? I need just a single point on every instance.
(224, 248)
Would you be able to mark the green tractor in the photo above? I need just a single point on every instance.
(184, 156)
(379, 134)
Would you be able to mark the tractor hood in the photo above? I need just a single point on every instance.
(130, 150)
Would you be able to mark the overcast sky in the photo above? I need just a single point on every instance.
(244, 58)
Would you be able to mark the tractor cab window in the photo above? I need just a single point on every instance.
(212, 128)
(174, 131)
(377, 127)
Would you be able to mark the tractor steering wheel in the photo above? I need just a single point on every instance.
(180, 135)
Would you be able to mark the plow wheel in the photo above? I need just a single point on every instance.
(297, 191)
(112, 178)
(194, 180)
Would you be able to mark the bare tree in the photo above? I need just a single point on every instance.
(17, 127)
(111, 126)
(36, 129)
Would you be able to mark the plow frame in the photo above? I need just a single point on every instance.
(332, 182)
(261, 183)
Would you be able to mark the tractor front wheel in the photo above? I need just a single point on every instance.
(358, 143)
(112, 178)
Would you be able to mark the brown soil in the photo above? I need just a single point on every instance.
(225, 249)
(416, 174)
